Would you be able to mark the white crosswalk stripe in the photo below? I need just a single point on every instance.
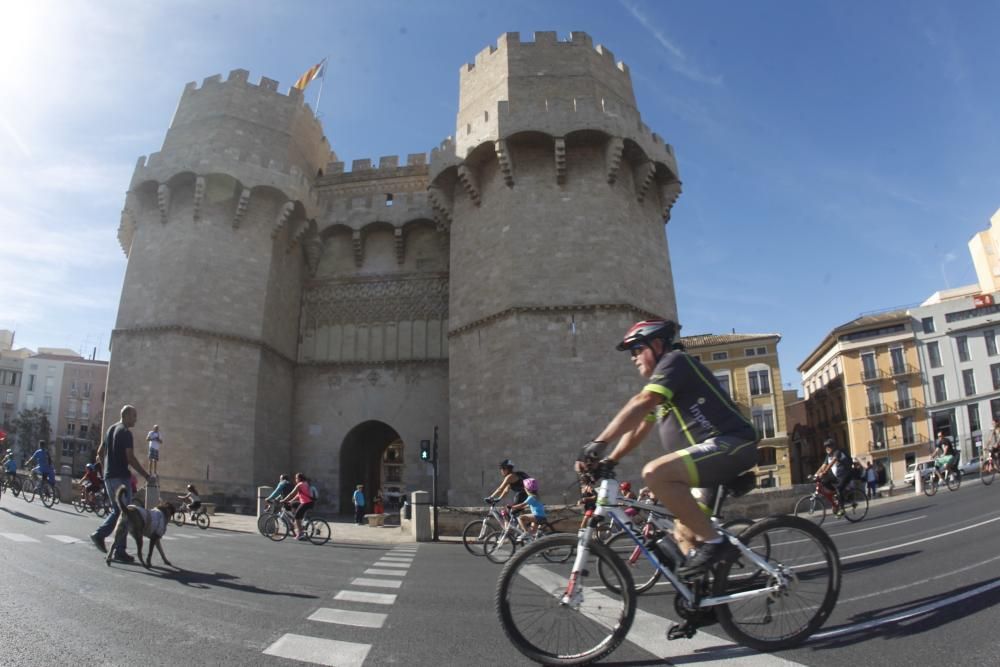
(319, 651)
(386, 573)
(361, 619)
(384, 563)
(65, 539)
(18, 537)
(363, 596)
(376, 583)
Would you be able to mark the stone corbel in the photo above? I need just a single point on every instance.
(560, 153)
(126, 230)
(613, 158)
(669, 192)
(469, 182)
(199, 197)
(163, 201)
(283, 215)
(644, 174)
(300, 231)
(441, 206)
(400, 245)
(313, 249)
(241, 207)
(359, 249)
(503, 157)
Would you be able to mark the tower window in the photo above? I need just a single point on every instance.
(388, 199)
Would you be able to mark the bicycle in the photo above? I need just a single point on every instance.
(277, 526)
(501, 544)
(98, 504)
(475, 532)
(555, 615)
(952, 477)
(644, 573)
(197, 516)
(854, 507)
(12, 482)
(990, 466)
(35, 485)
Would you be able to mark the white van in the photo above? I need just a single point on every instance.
(926, 468)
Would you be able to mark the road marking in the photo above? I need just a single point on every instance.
(920, 582)
(902, 616)
(189, 537)
(376, 583)
(319, 651)
(360, 619)
(400, 559)
(912, 542)
(648, 631)
(18, 537)
(389, 563)
(386, 573)
(879, 527)
(363, 596)
(168, 537)
(65, 539)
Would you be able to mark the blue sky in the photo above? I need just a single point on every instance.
(836, 157)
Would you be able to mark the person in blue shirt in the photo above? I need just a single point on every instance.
(43, 463)
(359, 504)
(530, 522)
(280, 491)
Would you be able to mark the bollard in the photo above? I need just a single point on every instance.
(152, 493)
(65, 484)
(918, 480)
(262, 493)
(420, 502)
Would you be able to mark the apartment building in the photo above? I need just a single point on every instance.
(746, 366)
(864, 388)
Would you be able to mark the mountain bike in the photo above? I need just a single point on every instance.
(501, 544)
(277, 526)
(11, 482)
(36, 485)
(854, 507)
(952, 477)
(98, 504)
(475, 532)
(196, 516)
(564, 614)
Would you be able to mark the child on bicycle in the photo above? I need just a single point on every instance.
(191, 499)
(10, 465)
(530, 524)
(90, 483)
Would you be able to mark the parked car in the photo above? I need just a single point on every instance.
(970, 468)
(926, 468)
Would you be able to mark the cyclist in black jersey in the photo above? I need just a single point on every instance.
(710, 442)
(512, 481)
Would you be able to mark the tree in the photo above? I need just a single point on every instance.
(30, 426)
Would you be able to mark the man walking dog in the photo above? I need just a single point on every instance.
(116, 451)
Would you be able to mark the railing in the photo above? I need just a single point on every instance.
(873, 409)
(872, 374)
(904, 369)
(907, 404)
(876, 446)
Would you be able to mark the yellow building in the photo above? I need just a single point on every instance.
(864, 389)
(747, 367)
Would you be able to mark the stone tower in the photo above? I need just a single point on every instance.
(206, 338)
(555, 194)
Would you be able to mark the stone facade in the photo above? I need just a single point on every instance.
(281, 312)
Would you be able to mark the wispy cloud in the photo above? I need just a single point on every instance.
(676, 58)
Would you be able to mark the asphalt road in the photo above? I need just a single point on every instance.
(919, 585)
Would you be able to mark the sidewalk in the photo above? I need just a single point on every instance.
(341, 531)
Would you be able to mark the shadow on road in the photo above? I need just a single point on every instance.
(207, 580)
(854, 566)
(17, 514)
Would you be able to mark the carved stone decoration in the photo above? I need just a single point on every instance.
(359, 248)
(163, 201)
(469, 182)
(381, 300)
(669, 192)
(126, 229)
(400, 245)
(503, 157)
(313, 250)
(441, 205)
(613, 158)
(199, 197)
(304, 227)
(283, 215)
(241, 207)
(644, 174)
(560, 152)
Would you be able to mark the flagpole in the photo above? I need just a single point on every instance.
(322, 77)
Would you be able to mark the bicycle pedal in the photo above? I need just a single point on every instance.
(682, 631)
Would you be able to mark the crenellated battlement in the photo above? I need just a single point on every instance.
(388, 166)
(225, 161)
(544, 48)
(242, 77)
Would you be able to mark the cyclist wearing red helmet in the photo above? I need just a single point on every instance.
(709, 440)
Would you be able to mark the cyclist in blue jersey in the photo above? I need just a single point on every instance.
(708, 440)
(43, 463)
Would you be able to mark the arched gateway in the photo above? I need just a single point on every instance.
(371, 454)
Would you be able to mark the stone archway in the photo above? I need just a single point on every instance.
(371, 454)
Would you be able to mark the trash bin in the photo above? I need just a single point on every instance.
(65, 484)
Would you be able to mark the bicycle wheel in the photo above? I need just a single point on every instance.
(56, 494)
(203, 521)
(179, 517)
(743, 567)
(642, 570)
(987, 472)
(499, 546)
(318, 531)
(475, 532)
(260, 523)
(555, 622)
(28, 491)
(275, 529)
(953, 480)
(855, 505)
(80, 505)
(15, 486)
(809, 575)
(931, 485)
(47, 495)
(811, 508)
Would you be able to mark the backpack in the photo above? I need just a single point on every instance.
(858, 473)
(313, 492)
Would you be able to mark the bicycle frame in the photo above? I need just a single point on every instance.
(610, 505)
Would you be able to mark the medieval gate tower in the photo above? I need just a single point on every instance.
(281, 313)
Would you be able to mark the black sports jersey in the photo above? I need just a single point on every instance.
(695, 406)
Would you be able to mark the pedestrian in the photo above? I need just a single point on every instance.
(871, 476)
(883, 477)
(116, 450)
(378, 504)
(154, 441)
(359, 504)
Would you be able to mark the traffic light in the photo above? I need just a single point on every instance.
(425, 450)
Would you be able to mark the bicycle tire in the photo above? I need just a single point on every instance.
(47, 495)
(987, 473)
(556, 553)
(260, 522)
(644, 573)
(855, 505)
(814, 585)
(499, 546)
(80, 505)
(953, 480)
(539, 621)
(760, 543)
(475, 532)
(15, 486)
(811, 508)
(56, 494)
(179, 517)
(318, 532)
(931, 485)
(203, 521)
(275, 529)
(28, 491)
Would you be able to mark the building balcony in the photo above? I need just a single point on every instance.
(908, 404)
(904, 369)
(872, 374)
(877, 446)
(875, 409)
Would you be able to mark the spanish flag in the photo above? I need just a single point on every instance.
(311, 73)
